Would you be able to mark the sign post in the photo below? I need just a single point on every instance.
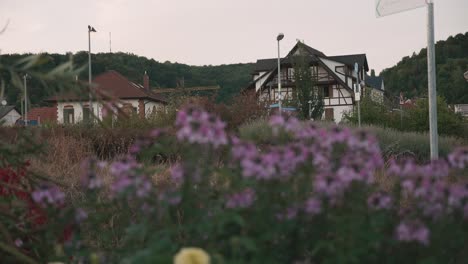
(389, 7)
(357, 92)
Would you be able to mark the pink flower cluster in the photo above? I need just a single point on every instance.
(127, 174)
(243, 199)
(428, 184)
(197, 126)
(48, 195)
(380, 201)
(339, 157)
(408, 231)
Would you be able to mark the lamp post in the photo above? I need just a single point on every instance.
(25, 77)
(357, 91)
(310, 109)
(278, 39)
(90, 29)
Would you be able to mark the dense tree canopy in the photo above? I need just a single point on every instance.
(231, 78)
(410, 74)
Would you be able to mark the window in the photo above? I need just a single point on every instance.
(87, 114)
(327, 91)
(68, 115)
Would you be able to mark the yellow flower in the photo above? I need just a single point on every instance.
(192, 256)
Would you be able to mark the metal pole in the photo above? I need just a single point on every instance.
(431, 68)
(89, 74)
(279, 78)
(359, 112)
(25, 100)
(358, 88)
(401, 117)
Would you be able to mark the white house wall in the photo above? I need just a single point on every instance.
(97, 109)
(259, 81)
(150, 106)
(339, 111)
(332, 66)
(10, 118)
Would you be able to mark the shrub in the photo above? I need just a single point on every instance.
(309, 195)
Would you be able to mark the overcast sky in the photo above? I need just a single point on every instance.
(203, 32)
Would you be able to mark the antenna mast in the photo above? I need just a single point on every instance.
(110, 42)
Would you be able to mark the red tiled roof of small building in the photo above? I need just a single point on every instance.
(112, 84)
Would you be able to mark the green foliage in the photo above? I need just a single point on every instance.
(410, 118)
(231, 78)
(372, 112)
(306, 87)
(410, 74)
(448, 123)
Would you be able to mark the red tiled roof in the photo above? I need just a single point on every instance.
(43, 114)
(114, 85)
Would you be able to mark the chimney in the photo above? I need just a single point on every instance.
(146, 81)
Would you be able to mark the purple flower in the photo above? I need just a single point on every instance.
(379, 201)
(289, 214)
(89, 178)
(197, 126)
(80, 215)
(48, 195)
(458, 159)
(177, 173)
(408, 231)
(243, 199)
(18, 242)
(313, 206)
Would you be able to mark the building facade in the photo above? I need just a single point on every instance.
(114, 95)
(334, 76)
(8, 115)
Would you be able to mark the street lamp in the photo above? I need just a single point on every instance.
(90, 29)
(310, 109)
(279, 38)
(25, 77)
(358, 91)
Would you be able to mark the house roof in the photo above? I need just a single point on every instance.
(263, 65)
(374, 81)
(4, 110)
(309, 49)
(113, 84)
(351, 59)
(43, 114)
(270, 64)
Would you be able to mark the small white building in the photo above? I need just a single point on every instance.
(8, 115)
(111, 89)
(461, 109)
(375, 87)
(334, 75)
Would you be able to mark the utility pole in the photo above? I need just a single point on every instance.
(279, 38)
(90, 29)
(25, 100)
(431, 67)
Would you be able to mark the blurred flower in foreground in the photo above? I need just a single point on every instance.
(192, 256)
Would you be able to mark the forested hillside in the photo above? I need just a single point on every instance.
(410, 74)
(232, 78)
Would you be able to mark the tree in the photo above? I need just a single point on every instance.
(448, 122)
(307, 94)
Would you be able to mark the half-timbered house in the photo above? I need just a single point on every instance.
(334, 75)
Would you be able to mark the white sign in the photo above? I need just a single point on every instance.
(389, 7)
(357, 97)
